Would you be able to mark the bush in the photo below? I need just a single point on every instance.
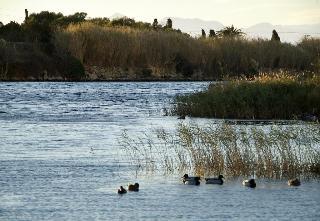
(73, 69)
(265, 97)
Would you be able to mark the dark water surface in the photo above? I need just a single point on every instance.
(60, 160)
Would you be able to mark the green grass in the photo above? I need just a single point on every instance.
(280, 96)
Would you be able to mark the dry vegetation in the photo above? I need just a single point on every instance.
(170, 54)
(125, 49)
(268, 152)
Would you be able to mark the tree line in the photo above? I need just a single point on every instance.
(123, 46)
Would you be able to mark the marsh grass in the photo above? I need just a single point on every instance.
(274, 152)
(167, 53)
(277, 96)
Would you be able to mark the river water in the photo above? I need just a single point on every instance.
(60, 160)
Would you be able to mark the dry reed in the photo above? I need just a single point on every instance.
(275, 151)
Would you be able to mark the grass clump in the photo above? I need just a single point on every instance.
(274, 152)
(277, 96)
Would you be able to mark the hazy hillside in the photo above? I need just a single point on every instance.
(288, 33)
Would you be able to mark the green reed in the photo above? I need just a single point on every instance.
(277, 96)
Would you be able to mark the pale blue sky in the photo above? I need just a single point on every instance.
(242, 13)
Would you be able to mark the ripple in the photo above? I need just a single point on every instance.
(49, 172)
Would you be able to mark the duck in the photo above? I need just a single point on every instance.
(294, 182)
(133, 187)
(249, 183)
(122, 190)
(191, 180)
(215, 180)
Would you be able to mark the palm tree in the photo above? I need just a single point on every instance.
(230, 31)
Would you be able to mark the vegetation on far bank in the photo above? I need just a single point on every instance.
(50, 45)
(277, 96)
(276, 152)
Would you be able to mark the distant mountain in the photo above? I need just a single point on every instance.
(287, 33)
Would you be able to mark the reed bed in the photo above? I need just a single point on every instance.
(277, 96)
(170, 53)
(274, 152)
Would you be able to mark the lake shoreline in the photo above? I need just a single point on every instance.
(116, 80)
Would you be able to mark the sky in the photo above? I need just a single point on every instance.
(242, 13)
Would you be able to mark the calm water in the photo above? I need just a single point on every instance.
(60, 160)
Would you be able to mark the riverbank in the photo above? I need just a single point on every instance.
(49, 46)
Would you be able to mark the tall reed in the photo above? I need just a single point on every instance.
(168, 53)
(269, 152)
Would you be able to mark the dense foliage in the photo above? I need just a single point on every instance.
(265, 97)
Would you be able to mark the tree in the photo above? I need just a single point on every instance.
(169, 23)
(1, 24)
(124, 21)
(155, 23)
(203, 34)
(12, 32)
(230, 32)
(212, 33)
(76, 18)
(275, 36)
(41, 26)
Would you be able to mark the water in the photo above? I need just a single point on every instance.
(60, 160)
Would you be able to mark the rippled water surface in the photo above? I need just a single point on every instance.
(60, 160)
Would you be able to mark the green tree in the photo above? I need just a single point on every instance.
(124, 21)
(203, 33)
(77, 17)
(169, 23)
(155, 24)
(275, 36)
(40, 27)
(12, 32)
(230, 32)
(212, 33)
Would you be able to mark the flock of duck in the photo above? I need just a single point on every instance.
(195, 180)
(186, 179)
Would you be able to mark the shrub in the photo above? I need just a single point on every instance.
(279, 96)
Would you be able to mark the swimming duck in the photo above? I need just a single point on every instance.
(191, 180)
(249, 183)
(294, 182)
(215, 180)
(133, 187)
(122, 190)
